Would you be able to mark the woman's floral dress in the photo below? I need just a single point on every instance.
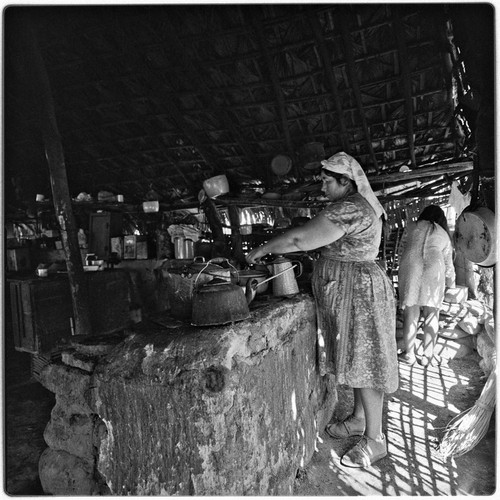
(355, 302)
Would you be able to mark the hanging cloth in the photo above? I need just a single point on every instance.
(458, 200)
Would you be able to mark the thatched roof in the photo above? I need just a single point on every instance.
(162, 97)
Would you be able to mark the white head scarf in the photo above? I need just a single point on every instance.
(342, 163)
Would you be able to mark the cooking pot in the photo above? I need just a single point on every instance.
(182, 280)
(219, 302)
(210, 268)
(242, 277)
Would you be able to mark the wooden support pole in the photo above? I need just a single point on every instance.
(258, 24)
(330, 77)
(351, 70)
(234, 217)
(59, 182)
(220, 247)
(406, 78)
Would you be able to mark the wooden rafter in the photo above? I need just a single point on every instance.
(353, 78)
(174, 47)
(278, 92)
(158, 86)
(406, 80)
(332, 82)
(431, 171)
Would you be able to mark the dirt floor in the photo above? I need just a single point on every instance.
(415, 418)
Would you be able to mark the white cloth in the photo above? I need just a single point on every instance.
(425, 266)
(342, 163)
(458, 200)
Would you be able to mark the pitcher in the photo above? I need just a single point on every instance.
(285, 282)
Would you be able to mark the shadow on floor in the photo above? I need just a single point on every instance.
(415, 418)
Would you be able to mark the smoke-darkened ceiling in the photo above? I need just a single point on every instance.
(163, 97)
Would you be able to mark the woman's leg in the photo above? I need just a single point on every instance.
(372, 446)
(431, 327)
(358, 411)
(372, 401)
(411, 315)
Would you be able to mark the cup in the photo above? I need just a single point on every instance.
(150, 206)
(119, 198)
(40, 197)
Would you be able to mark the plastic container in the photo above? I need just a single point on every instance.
(151, 206)
(215, 186)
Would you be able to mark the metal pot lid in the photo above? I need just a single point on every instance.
(250, 273)
(217, 285)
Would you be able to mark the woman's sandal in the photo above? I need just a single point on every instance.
(424, 361)
(351, 426)
(365, 453)
(433, 361)
(409, 359)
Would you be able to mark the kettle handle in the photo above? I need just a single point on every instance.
(299, 267)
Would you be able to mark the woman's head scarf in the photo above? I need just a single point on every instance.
(342, 163)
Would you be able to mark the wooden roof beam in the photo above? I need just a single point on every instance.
(158, 87)
(278, 92)
(330, 76)
(406, 80)
(232, 127)
(351, 69)
(430, 171)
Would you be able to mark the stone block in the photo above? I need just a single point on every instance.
(486, 349)
(76, 360)
(456, 295)
(62, 474)
(452, 332)
(64, 380)
(71, 432)
(455, 348)
(470, 324)
(452, 348)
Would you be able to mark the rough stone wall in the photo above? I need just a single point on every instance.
(232, 410)
(68, 465)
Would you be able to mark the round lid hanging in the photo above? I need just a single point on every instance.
(281, 164)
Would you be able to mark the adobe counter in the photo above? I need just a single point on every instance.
(182, 410)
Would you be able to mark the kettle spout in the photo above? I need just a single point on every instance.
(251, 289)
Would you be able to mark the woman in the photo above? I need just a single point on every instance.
(354, 298)
(425, 269)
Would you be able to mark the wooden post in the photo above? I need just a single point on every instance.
(220, 247)
(59, 183)
(234, 217)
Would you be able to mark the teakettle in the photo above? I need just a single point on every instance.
(219, 302)
(284, 276)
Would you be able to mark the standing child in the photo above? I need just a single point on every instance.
(425, 269)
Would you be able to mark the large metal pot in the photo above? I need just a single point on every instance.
(183, 277)
(242, 278)
(219, 302)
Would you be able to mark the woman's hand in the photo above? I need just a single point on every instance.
(255, 255)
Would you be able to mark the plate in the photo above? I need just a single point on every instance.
(91, 268)
(281, 164)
